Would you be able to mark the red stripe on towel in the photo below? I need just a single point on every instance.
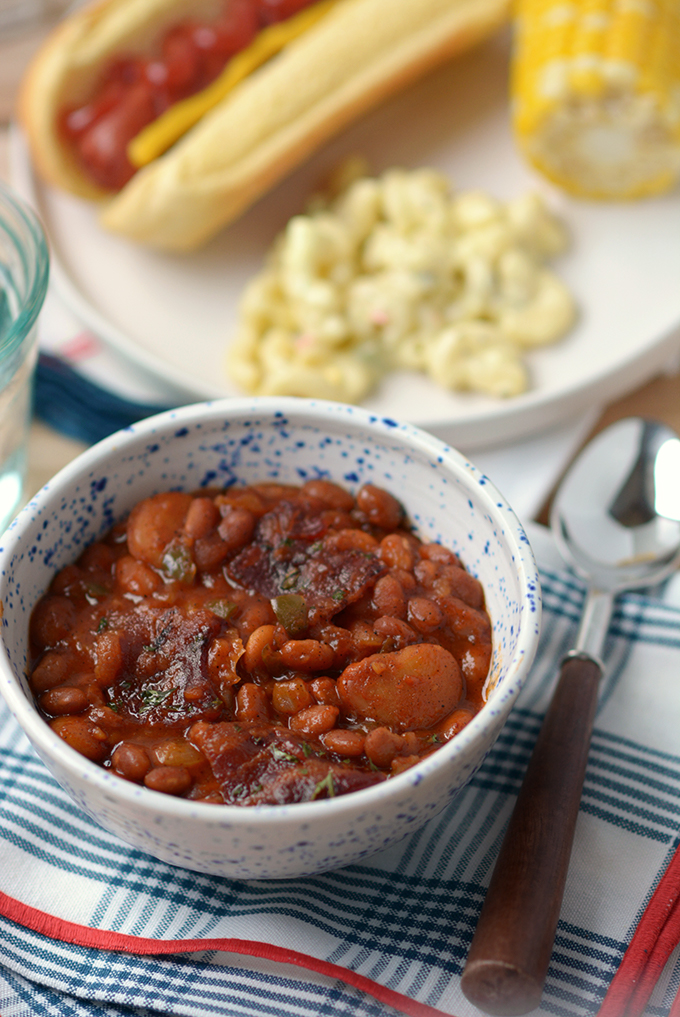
(658, 928)
(99, 939)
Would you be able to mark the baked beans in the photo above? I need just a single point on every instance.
(261, 645)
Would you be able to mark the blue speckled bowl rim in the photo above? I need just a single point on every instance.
(315, 411)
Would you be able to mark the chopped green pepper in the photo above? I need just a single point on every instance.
(178, 565)
(291, 612)
(221, 607)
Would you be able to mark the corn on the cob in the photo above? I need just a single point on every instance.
(596, 93)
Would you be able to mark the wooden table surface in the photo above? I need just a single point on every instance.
(49, 451)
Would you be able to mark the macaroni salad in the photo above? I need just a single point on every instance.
(400, 272)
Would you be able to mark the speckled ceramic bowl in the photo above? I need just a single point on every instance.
(246, 441)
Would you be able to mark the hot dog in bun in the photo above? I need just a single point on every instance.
(178, 114)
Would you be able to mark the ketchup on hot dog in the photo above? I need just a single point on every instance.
(134, 91)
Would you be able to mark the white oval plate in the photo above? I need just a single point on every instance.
(174, 315)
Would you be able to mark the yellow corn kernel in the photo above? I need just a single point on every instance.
(596, 93)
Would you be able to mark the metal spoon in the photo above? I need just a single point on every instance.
(616, 520)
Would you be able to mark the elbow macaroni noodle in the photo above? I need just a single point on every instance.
(399, 272)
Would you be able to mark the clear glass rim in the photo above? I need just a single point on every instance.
(36, 262)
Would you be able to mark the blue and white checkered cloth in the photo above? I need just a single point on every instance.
(403, 919)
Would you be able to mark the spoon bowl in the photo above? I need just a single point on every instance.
(616, 521)
(616, 515)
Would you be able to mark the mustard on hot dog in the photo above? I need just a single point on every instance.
(171, 125)
(144, 103)
(207, 154)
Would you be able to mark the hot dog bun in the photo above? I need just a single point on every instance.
(358, 54)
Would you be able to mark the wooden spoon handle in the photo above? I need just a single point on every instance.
(511, 948)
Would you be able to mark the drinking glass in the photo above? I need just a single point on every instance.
(24, 270)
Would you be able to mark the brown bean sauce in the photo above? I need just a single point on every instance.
(261, 645)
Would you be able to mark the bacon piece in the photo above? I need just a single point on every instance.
(257, 764)
(328, 580)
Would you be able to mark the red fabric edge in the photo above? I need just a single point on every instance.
(98, 939)
(649, 929)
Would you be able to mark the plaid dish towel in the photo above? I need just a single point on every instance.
(72, 896)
